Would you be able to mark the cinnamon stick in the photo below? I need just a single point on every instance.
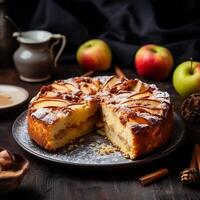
(119, 72)
(197, 150)
(87, 74)
(193, 162)
(149, 178)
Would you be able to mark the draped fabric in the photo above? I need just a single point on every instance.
(124, 24)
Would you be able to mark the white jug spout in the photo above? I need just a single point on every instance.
(16, 34)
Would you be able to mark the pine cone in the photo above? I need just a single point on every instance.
(190, 176)
(190, 108)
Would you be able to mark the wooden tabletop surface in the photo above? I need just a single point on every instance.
(48, 181)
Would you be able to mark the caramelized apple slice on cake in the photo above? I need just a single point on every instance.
(50, 103)
(113, 80)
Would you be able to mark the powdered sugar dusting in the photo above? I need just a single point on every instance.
(46, 114)
(40, 113)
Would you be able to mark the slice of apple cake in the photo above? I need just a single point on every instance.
(62, 112)
(137, 117)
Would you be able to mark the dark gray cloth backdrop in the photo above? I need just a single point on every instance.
(124, 24)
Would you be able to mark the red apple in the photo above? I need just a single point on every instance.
(153, 62)
(94, 55)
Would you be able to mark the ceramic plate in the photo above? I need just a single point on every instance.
(87, 153)
(11, 96)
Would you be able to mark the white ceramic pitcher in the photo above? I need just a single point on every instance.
(34, 59)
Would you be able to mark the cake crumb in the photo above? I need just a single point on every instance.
(75, 144)
(106, 149)
(70, 147)
(81, 140)
(126, 156)
(101, 131)
(92, 144)
(98, 142)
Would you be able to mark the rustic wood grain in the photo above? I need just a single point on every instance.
(47, 181)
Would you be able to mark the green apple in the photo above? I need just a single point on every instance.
(94, 55)
(186, 78)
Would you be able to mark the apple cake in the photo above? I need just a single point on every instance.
(136, 117)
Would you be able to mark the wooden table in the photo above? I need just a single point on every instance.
(50, 181)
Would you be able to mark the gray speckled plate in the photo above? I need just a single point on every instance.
(86, 154)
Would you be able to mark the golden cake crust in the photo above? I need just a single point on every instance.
(39, 132)
(141, 108)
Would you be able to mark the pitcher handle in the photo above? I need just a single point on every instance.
(58, 37)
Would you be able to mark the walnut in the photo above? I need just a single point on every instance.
(6, 160)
